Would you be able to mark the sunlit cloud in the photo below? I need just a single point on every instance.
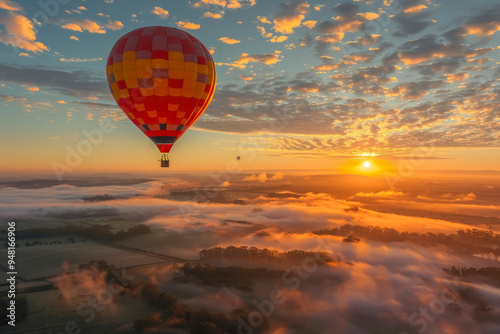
(414, 9)
(160, 12)
(268, 58)
(451, 78)
(188, 25)
(228, 40)
(291, 17)
(114, 25)
(19, 31)
(78, 60)
(263, 19)
(84, 25)
(10, 5)
(214, 15)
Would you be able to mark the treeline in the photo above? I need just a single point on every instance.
(473, 241)
(171, 314)
(245, 253)
(175, 315)
(94, 232)
(233, 276)
(488, 272)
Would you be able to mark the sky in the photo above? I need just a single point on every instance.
(301, 85)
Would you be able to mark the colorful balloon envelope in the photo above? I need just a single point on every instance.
(163, 79)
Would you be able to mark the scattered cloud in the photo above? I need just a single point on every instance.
(230, 4)
(228, 40)
(76, 83)
(214, 15)
(310, 24)
(290, 17)
(278, 39)
(18, 30)
(451, 78)
(381, 194)
(84, 25)
(160, 12)
(263, 177)
(10, 6)
(78, 60)
(188, 25)
(114, 25)
(263, 19)
(414, 9)
(268, 58)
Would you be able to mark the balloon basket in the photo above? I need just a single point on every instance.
(164, 161)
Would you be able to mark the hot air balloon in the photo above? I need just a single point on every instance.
(163, 79)
(238, 158)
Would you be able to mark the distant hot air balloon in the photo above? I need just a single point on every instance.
(238, 158)
(163, 79)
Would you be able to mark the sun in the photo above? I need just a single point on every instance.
(366, 166)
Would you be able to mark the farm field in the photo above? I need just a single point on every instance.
(50, 260)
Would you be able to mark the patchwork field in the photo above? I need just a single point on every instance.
(39, 262)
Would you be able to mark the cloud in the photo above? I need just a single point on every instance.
(33, 89)
(231, 65)
(451, 78)
(228, 40)
(268, 58)
(114, 25)
(263, 177)
(278, 39)
(414, 9)
(160, 12)
(278, 176)
(78, 60)
(18, 30)
(459, 197)
(231, 4)
(349, 19)
(214, 15)
(10, 6)
(84, 25)
(310, 24)
(11, 98)
(290, 17)
(256, 177)
(74, 38)
(381, 194)
(188, 25)
(484, 24)
(369, 16)
(412, 19)
(425, 49)
(76, 83)
(263, 19)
